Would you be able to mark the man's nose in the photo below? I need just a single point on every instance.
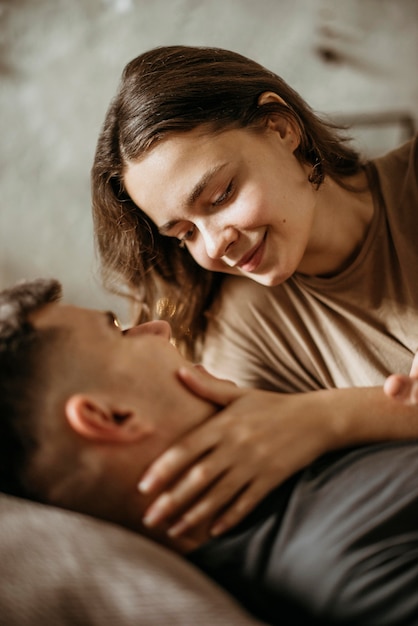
(218, 240)
(156, 327)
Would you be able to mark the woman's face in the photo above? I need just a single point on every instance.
(238, 200)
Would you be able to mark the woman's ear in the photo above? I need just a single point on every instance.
(284, 124)
(95, 417)
(270, 96)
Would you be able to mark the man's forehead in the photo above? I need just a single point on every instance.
(61, 314)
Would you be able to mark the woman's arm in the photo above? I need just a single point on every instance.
(256, 441)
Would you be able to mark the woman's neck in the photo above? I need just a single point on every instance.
(341, 222)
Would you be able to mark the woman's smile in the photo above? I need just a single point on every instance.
(233, 199)
(252, 259)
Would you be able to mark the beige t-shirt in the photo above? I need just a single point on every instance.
(352, 329)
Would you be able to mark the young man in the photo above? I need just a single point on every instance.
(85, 408)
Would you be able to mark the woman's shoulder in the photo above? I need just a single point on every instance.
(397, 176)
(401, 160)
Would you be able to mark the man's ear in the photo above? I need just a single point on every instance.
(96, 417)
(285, 126)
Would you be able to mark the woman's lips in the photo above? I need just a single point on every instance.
(252, 259)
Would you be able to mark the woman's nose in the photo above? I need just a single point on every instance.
(156, 327)
(218, 241)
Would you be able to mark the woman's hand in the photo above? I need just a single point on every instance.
(228, 464)
(404, 388)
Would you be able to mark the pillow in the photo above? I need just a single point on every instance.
(59, 567)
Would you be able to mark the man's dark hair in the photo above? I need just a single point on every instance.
(22, 376)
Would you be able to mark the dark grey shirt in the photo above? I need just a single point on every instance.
(336, 544)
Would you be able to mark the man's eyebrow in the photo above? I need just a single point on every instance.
(194, 195)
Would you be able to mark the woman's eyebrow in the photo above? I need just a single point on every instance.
(201, 185)
(194, 195)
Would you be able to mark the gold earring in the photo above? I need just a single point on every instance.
(316, 177)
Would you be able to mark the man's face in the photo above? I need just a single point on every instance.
(138, 367)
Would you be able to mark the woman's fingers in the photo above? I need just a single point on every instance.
(203, 384)
(246, 501)
(414, 367)
(215, 498)
(223, 468)
(185, 491)
(402, 388)
(394, 385)
(177, 459)
(247, 494)
(231, 460)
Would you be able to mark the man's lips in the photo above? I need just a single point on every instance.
(252, 259)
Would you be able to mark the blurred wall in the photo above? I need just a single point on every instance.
(60, 62)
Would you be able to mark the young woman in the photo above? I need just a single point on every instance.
(210, 165)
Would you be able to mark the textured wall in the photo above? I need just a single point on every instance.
(60, 61)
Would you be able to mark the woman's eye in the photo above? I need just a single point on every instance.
(188, 235)
(223, 197)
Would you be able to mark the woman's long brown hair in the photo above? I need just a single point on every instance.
(175, 89)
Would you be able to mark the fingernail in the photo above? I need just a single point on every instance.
(217, 530)
(157, 511)
(177, 529)
(145, 485)
(152, 517)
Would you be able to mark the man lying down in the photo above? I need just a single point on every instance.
(85, 408)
